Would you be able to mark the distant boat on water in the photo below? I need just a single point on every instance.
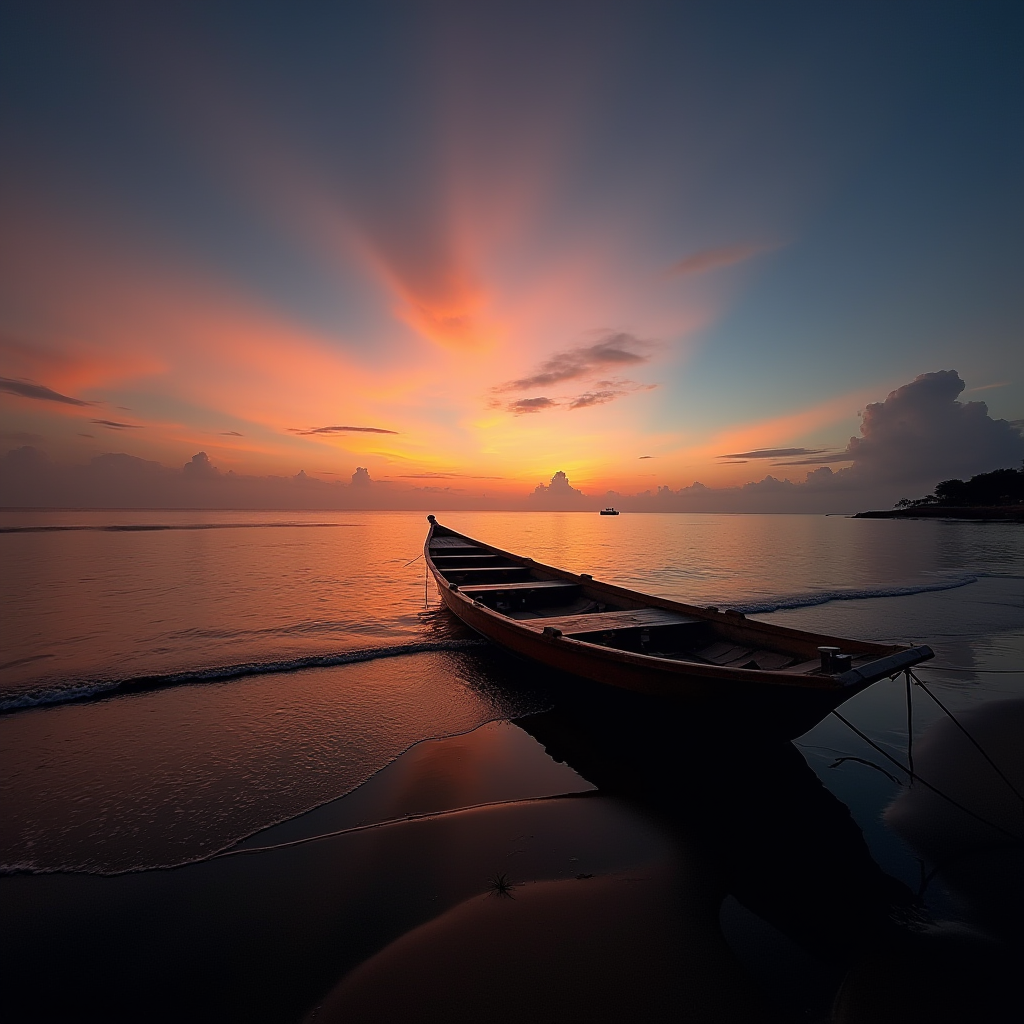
(609, 511)
(718, 668)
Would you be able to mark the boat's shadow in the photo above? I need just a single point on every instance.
(763, 830)
(755, 821)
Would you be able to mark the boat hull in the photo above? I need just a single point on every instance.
(762, 707)
(770, 704)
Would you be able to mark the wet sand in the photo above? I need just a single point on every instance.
(265, 936)
(640, 945)
(688, 886)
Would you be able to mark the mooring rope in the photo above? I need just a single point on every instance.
(953, 719)
(910, 726)
(925, 782)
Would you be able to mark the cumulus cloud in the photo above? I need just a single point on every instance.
(340, 430)
(29, 479)
(715, 259)
(559, 494)
(615, 349)
(918, 436)
(200, 468)
(26, 389)
(21, 435)
(921, 433)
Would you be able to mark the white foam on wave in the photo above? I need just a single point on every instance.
(86, 689)
(83, 690)
(775, 604)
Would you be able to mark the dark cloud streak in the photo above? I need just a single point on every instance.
(24, 389)
(115, 425)
(446, 476)
(615, 349)
(773, 453)
(340, 430)
(714, 259)
(590, 398)
(525, 405)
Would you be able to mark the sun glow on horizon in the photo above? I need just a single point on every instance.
(480, 253)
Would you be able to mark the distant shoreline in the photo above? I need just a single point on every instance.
(1014, 513)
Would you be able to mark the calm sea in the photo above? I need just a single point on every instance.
(173, 681)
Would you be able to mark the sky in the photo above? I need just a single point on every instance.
(718, 255)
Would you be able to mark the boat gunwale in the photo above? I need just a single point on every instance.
(673, 668)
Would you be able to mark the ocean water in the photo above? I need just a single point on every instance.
(173, 682)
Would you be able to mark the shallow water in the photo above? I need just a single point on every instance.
(179, 600)
(174, 682)
(92, 598)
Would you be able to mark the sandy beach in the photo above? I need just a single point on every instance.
(638, 945)
(382, 904)
(656, 869)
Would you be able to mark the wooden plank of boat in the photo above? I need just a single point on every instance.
(463, 558)
(465, 570)
(450, 543)
(775, 680)
(598, 622)
(475, 589)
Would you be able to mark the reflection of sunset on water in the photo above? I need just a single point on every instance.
(276, 280)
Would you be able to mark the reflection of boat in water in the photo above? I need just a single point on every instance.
(764, 836)
(728, 669)
(609, 511)
(755, 817)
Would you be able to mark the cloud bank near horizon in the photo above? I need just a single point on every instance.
(920, 434)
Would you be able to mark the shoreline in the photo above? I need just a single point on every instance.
(979, 513)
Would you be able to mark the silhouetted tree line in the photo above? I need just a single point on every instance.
(1000, 487)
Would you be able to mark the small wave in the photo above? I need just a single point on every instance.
(91, 689)
(150, 527)
(234, 849)
(775, 604)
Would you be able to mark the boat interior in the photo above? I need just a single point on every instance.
(543, 602)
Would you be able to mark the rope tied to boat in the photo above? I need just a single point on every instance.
(920, 682)
(924, 782)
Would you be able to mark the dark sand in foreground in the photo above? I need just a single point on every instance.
(265, 936)
(719, 888)
(640, 945)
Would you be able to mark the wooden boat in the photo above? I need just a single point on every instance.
(719, 665)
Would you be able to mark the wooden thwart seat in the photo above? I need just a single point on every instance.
(495, 588)
(598, 622)
(467, 569)
(460, 558)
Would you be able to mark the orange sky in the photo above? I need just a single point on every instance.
(499, 254)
